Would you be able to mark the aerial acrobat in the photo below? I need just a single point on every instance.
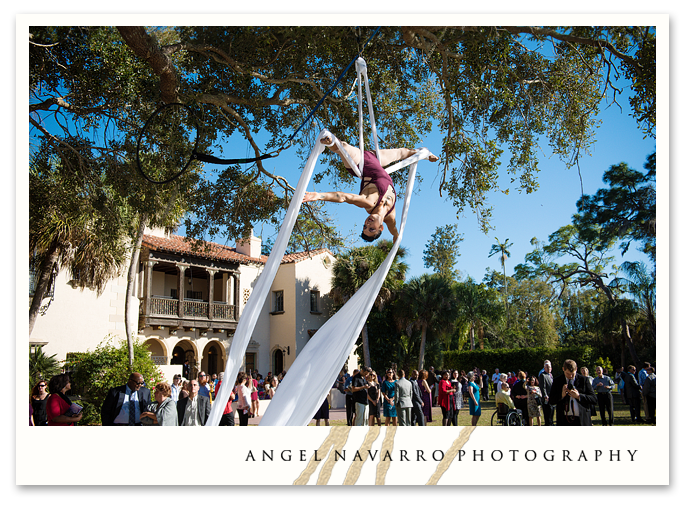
(377, 195)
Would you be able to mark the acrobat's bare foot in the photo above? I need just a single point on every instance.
(433, 158)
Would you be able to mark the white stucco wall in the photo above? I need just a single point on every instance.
(311, 274)
(248, 277)
(78, 320)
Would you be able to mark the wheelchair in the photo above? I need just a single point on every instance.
(506, 417)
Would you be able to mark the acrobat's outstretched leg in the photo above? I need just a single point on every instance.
(387, 156)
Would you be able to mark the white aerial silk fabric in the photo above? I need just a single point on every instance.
(310, 377)
(255, 303)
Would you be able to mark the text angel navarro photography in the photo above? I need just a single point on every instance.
(438, 455)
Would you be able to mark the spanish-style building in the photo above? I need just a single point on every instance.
(189, 299)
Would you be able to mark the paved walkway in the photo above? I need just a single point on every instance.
(334, 414)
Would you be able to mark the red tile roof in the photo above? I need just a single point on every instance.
(178, 244)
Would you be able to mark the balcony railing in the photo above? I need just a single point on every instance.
(223, 311)
(165, 306)
(195, 309)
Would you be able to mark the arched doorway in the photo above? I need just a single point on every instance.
(183, 351)
(278, 361)
(213, 358)
(157, 350)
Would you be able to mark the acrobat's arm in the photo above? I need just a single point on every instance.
(349, 198)
(390, 221)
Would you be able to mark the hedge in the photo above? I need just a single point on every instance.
(529, 360)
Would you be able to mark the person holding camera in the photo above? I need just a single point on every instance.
(572, 395)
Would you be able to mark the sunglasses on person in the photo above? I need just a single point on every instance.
(42, 386)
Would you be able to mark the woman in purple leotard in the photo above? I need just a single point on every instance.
(377, 195)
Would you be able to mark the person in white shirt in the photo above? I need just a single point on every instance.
(194, 409)
(496, 381)
(244, 398)
(175, 387)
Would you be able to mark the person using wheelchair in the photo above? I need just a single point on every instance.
(505, 405)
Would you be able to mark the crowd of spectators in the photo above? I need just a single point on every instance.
(397, 398)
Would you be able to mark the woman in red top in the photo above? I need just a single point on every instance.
(58, 405)
(445, 393)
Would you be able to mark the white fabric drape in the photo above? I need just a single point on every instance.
(314, 371)
(311, 376)
(247, 321)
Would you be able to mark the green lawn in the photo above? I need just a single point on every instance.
(621, 415)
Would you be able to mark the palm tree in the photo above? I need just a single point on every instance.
(430, 304)
(503, 249)
(354, 267)
(42, 366)
(642, 285)
(477, 306)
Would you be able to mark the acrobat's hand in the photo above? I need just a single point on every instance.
(327, 138)
(311, 197)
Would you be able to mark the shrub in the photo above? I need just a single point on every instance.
(606, 364)
(94, 373)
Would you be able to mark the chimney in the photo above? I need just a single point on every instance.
(251, 247)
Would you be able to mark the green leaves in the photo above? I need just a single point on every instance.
(95, 372)
(442, 250)
(625, 210)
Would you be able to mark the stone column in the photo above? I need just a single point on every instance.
(181, 288)
(210, 309)
(236, 294)
(149, 266)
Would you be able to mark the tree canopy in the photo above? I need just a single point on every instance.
(489, 89)
(442, 250)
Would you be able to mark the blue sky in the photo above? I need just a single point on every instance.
(517, 216)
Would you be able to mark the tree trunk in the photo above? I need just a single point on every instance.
(630, 344)
(421, 354)
(131, 274)
(622, 352)
(43, 284)
(626, 337)
(472, 335)
(504, 278)
(366, 345)
(481, 336)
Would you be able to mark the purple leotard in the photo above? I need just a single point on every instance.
(378, 176)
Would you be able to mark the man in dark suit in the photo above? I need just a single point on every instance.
(633, 393)
(195, 409)
(572, 395)
(545, 383)
(125, 404)
(417, 416)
